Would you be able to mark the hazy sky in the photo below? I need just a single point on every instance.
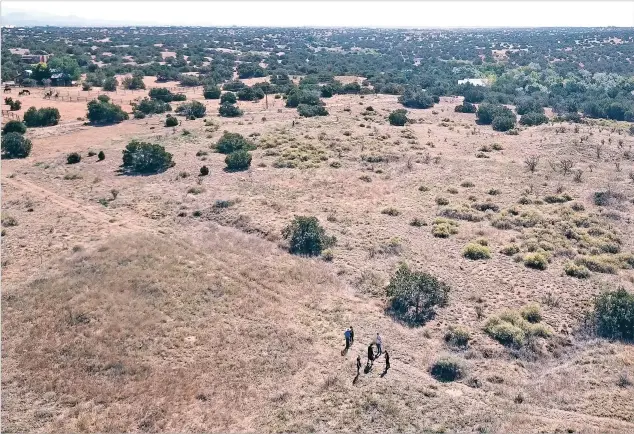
(471, 13)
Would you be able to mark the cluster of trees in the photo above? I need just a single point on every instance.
(102, 111)
(43, 117)
(592, 75)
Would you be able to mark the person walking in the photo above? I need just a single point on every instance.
(379, 343)
(351, 335)
(358, 364)
(347, 336)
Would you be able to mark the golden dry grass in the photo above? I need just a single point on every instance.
(133, 314)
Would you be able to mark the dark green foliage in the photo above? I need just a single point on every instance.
(228, 97)
(306, 236)
(300, 96)
(229, 110)
(134, 82)
(398, 117)
(234, 86)
(503, 122)
(151, 106)
(171, 121)
(613, 315)
(194, 108)
(100, 112)
(238, 160)
(14, 127)
(232, 142)
(308, 111)
(447, 369)
(43, 117)
(110, 84)
(250, 94)
(414, 295)
(15, 145)
(212, 92)
(165, 95)
(101, 156)
(145, 158)
(528, 105)
(531, 119)
(416, 98)
(466, 107)
(73, 158)
(248, 70)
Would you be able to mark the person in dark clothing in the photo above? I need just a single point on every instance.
(351, 335)
(358, 364)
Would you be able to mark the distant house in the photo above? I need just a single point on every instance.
(59, 78)
(35, 58)
(475, 81)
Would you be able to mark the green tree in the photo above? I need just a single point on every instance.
(413, 295)
(238, 160)
(306, 236)
(398, 117)
(15, 145)
(146, 158)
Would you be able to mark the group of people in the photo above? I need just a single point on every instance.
(372, 356)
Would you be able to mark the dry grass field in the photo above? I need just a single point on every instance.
(169, 302)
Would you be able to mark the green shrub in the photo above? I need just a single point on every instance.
(228, 97)
(398, 117)
(308, 111)
(231, 142)
(73, 158)
(475, 251)
(531, 313)
(510, 250)
(101, 156)
(503, 122)
(228, 110)
(391, 212)
(535, 260)
(171, 121)
(465, 107)
(14, 127)
(614, 315)
(306, 236)
(578, 271)
(212, 92)
(194, 109)
(457, 337)
(143, 157)
(447, 369)
(43, 117)
(110, 84)
(15, 145)
(151, 106)
(104, 112)
(238, 160)
(414, 295)
(531, 119)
